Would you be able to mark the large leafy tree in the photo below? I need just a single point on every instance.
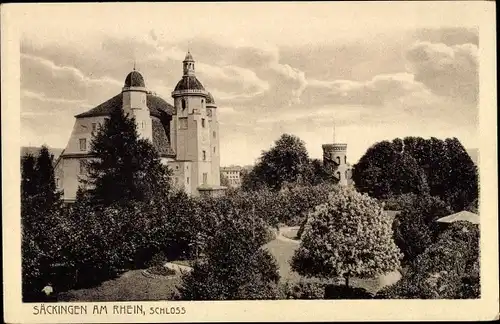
(124, 167)
(286, 162)
(415, 165)
(347, 236)
(386, 170)
(234, 265)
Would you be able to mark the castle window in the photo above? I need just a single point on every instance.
(82, 166)
(203, 122)
(83, 144)
(183, 103)
(204, 156)
(183, 123)
(205, 178)
(94, 127)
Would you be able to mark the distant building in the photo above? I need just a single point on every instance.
(233, 175)
(186, 134)
(335, 158)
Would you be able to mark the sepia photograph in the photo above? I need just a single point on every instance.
(172, 153)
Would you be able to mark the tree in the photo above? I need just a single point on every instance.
(123, 167)
(386, 170)
(286, 162)
(448, 268)
(41, 216)
(348, 236)
(234, 266)
(415, 228)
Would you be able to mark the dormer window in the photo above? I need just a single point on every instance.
(83, 144)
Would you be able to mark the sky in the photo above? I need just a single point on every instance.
(376, 71)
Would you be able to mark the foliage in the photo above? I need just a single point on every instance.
(41, 220)
(447, 269)
(286, 162)
(415, 228)
(303, 290)
(420, 166)
(385, 170)
(348, 236)
(124, 167)
(234, 266)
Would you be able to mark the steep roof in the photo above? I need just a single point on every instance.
(158, 108)
(156, 105)
(460, 216)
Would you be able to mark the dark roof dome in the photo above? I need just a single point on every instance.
(210, 99)
(134, 79)
(189, 82)
(188, 57)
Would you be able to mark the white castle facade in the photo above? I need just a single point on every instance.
(186, 135)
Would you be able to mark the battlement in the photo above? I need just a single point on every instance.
(335, 147)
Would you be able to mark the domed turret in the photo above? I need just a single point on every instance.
(189, 84)
(134, 79)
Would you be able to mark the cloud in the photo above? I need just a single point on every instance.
(375, 92)
(42, 97)
(447, 70)
(449, 36)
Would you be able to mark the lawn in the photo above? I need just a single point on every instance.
(131, 286)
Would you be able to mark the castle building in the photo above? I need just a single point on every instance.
(335, 159)
(186, 135)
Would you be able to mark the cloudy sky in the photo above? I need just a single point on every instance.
(378, 70)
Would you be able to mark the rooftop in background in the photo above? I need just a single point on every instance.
(460, 216)
(474, 154)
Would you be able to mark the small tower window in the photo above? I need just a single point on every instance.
(214, 134)
(205, 178)
(187, 179)
(338, 175)
(204, 155)
(345, 159)
(58, 183)
(183, 104)
(214, 149)
(83, 144)
(203, 122)
(338, 159)
(202, 102)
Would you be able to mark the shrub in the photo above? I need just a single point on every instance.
(303, 290)
(415, 228)
(448, 269)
